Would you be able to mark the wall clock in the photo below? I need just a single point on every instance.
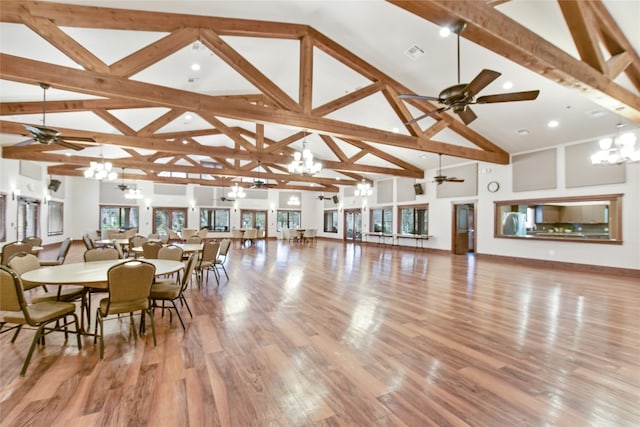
(493, 186)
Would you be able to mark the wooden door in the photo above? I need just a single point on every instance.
(463, 229)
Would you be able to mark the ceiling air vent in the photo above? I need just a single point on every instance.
(415, 52)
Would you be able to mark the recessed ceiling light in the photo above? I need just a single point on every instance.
(68, 154)
(423, 156)
(188, 116)
(507, 85)
(185, 141)
(553, 124)
(522, 131)
(596, 113)
(445, 32)
(395, 130)
(337, 178)
(195, 67)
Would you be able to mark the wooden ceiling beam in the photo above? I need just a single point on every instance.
(128, 163)
(113, 121)
(70, 106)
(67, 15)
(583, 29)
(161, 122)
(500, 34)
(149, 55)
(236, 61)
(305, 89)
(63, 42)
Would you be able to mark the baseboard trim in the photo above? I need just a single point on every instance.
(583, 268)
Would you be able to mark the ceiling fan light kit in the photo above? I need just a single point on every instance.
(236, 192)
(100, 171)
(303, 163)
(618, 150)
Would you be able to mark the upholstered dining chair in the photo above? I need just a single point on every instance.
(221, 258)
(62, 254)
(207, 258)
(23, 262)
(173, 236)
(236, 236)
(172, 252)
(309, 235)
(98, 254)
(193, 240)
(47, 317)
(129, 288)
(88, 241)
(33, 240)
(203, 233)
(250, 235)
(172, 291)
(150, 249)
(10, 249)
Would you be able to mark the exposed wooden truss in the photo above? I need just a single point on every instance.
(272, 106)
(591, 27)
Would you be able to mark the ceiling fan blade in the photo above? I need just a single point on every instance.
(422, 97)
(417, 119)
(25, 142)
(77, 138)
(481, 81)
(454, 179)
(66, 144)
(508, 97)
(467, 115)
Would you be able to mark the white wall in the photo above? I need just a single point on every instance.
(82, 201)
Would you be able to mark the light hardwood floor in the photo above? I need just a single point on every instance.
(340, 334)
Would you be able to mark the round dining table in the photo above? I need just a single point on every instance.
(92, 274)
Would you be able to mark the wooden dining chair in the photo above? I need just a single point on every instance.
(129, 289)
(46, 317)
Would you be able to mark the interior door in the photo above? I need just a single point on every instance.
(353, 225)
(464, 229)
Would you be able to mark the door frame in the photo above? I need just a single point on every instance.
(454, 225)
(345, 212)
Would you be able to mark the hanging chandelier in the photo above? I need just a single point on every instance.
(133, 194)
(363, 189)
(100, 171)
(294, 201)
(236, 192)
(303, 163)
(618, 150)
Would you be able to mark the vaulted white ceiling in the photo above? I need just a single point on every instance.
(376, 36)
